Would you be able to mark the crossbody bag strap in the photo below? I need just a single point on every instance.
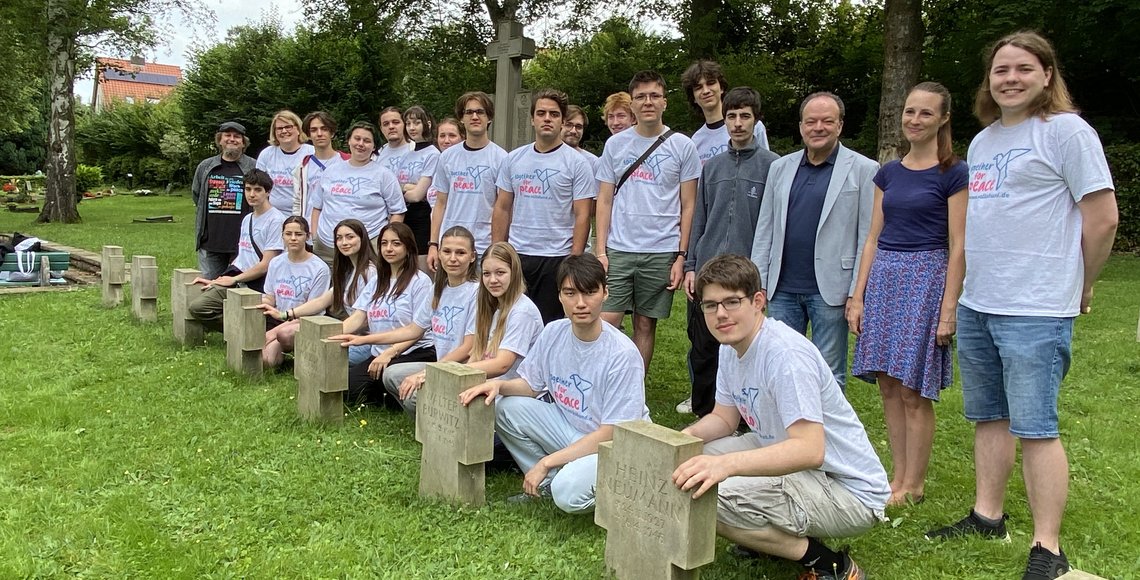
(256, 249)
(629, 171)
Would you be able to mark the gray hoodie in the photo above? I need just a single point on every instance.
(728, 201)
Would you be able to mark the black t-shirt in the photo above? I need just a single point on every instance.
(225, 206)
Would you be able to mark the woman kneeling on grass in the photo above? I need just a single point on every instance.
(387, 302)
(354, 266)
(293, 278)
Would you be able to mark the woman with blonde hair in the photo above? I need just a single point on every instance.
(288, 146)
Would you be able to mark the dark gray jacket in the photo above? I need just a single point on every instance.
(198, 188)
(728, 201)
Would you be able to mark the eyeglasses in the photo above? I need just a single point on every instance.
(475, 112)
(285, 129)
(574, 126)
(731, 303)
(648, 97)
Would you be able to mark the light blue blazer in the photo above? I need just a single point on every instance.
(843, 223)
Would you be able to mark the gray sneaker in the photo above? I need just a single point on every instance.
(685, 407)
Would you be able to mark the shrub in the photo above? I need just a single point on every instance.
(87, 178)
(1124, 161)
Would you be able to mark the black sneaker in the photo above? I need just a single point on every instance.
(1045, 565)
(850, 571)
(972, 525)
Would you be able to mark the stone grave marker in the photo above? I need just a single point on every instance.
(653, 529)
(321, 368)
(144, 288)
(113, 272)
(508, 52)
(244, 326)
(456, 440)
(183, 290)
(1078, 575)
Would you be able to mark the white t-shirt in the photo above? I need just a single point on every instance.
(390, 157)
(593, 383)
(467, 178)
(646, 215)
(314, 170)
(390, 312)
(369, 194)
(782, 379)
(711, 141)
(524, 323)
(447, 323)
(295, 283)
(416, 164)
(369, 276)
(545, 187)
(591, 159)
(266, 232)
(280, 165)
(1023, 226)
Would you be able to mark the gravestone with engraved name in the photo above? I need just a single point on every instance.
(113, 274)
(653, 529)
(321, 368)
(456, 440)
(244, 330)
(511, 127)
(187, 330)
(144, 288)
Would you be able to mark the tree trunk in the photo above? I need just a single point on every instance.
(59, 198)
(902, 63)
(701, 29)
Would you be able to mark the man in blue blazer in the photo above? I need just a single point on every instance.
(813, 221)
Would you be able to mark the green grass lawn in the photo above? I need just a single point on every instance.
(122, 455)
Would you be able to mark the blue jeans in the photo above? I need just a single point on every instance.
(532, 429)
(212, 264)
(828, 326)
(1012, 367)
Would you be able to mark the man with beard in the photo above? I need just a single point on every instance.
(220, 197)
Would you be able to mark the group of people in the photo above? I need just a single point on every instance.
(441, 246)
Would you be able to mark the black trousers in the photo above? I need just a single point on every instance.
(541, 275)
(703, 360)
(362, 388)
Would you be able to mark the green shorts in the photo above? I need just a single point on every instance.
(638, 281)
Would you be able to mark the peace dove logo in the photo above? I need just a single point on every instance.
(476, 173)
(1002, 161)
(356, 182)
(654, 161)
(450, 313)
(581, 385)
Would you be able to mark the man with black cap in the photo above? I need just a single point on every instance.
(220, 197)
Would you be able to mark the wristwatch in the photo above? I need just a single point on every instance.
(681, 254)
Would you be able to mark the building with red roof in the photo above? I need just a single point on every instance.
(132, 81)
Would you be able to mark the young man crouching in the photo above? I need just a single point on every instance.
(806, 469)
(594, 374)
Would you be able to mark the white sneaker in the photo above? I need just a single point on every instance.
(685, 407)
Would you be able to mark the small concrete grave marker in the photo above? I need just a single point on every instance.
(144, 288)
(244, 326)
(653, 529)
(1078, 575)
(321, 368)
(113, 272)
(508, 52)
(456, 440)
(187, 330)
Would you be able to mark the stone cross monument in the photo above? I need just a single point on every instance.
(511, 127)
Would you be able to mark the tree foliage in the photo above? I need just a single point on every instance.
(128, 138)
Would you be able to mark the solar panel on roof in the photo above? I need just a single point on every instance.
(140, 77)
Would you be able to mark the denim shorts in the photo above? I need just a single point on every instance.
(1012, 367)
